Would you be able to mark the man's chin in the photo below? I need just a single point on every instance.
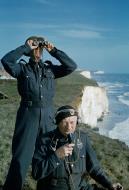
(37, 60)
(66, 133)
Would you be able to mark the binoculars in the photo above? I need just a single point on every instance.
(39, 43)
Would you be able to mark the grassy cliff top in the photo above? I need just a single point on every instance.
(113, 155)
(69, 89)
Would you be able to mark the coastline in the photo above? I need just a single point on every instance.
(116, 124)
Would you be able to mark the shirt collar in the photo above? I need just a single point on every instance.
(33, 64)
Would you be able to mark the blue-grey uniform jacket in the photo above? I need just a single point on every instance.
(36, 81)
(36, 85)
(54, 173)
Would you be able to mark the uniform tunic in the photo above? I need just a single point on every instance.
(36, 86)
(54, 173)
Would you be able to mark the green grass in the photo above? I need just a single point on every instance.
(113, 155)
(69, 88)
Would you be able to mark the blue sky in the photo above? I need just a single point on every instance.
(95, 33)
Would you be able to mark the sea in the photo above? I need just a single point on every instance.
(116, 123)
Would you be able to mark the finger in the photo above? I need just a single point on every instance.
(30, 43)
(68, 152)
(49, 46)
(70, 145)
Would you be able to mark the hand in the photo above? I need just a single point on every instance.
(49, 46)
(117, 186)
(30, 43)
(65, 150)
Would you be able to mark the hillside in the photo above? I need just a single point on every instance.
(114, 155)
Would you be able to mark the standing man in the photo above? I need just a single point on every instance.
(35, 81)
(63, 156)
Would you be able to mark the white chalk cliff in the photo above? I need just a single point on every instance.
(86, 74)
(93, 106)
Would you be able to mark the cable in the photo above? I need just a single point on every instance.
(72, 182)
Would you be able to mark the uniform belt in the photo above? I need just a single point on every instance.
(35, 103)
(55, 181)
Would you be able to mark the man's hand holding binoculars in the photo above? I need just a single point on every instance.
(32, 44)
(49, 46)
(35, 43)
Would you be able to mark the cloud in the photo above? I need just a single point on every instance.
(81, 34)
(91, 27)
(67, 30)
(46, 2)
(29, 25)
(39, 26)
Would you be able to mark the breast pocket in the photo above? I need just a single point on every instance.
(23, 84)
(28, 84)
(50, 82)
(80, 164)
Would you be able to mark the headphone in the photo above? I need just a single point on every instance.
(65, 111)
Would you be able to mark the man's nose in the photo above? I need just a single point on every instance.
(69, 125)
(38, 52)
